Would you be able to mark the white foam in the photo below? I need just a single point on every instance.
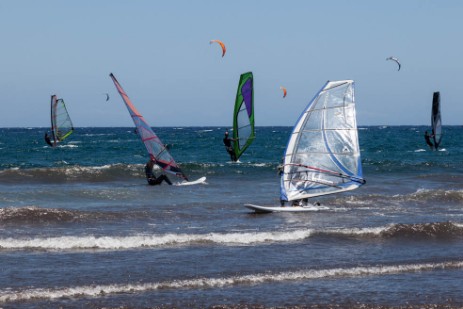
(260, 164)
(140, 241)
(68, 146)
(167, 240)
(360, 231)
(10, 295)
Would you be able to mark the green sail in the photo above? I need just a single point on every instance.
(61, 124)
(243, 115)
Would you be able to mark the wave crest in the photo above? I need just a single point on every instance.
(426, 230)
(221, 282)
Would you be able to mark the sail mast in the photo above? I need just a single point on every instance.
(53, 118)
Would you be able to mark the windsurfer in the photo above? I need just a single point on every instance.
(227, 141)
(427, 137)
(151, 178)
(47, 139)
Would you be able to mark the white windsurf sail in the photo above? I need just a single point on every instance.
(323, 156)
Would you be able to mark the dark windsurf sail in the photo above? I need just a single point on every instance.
(156, 149)
(436, 121)
(243, 115)
(61, 124)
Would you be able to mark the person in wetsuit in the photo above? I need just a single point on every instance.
(227, 141)
(151, 178)
(427, 138)
(47, 139)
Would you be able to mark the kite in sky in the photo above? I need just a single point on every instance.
(224, 49)
(284, 91)
(396, 60)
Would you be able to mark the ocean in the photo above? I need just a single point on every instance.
(80, 227)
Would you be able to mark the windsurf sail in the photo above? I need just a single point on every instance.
(61, 124)
(243, 115)
(156, 149)
(323, 156)
(436, 121)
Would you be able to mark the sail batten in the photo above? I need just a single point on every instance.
(323, 156)
(155, 148)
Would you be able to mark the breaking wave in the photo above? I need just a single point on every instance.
(38, 215)
(148, 241)
(139, 241)
(96, 290)
(437, 196)
(72, 173)
(109, 172)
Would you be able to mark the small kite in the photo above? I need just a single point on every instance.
(396, 60)
(224, 49)
(107, 97)
(284, 91)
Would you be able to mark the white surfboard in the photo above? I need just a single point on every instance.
(189, 183)
(267, 209)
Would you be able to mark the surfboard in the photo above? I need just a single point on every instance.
(268, 209)
(189, 183)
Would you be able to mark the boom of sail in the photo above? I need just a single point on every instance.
(436, 121)
(243, 115)
(61, 124)
(323, 156)
(156, 149)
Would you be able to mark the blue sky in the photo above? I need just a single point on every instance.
(160, 53)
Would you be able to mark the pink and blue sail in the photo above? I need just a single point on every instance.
(156, 149)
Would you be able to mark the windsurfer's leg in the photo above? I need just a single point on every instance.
(154, 181)
(166, 179)
(231, 153)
